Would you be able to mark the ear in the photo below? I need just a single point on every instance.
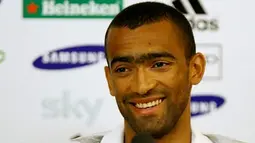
(109, 79)
(197, 68)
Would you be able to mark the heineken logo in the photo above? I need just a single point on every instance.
(2, 56)
(71, 8)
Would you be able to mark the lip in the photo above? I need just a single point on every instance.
(145, 100)
(147, 111)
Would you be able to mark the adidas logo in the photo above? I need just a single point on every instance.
(195, 5)
(198, 17)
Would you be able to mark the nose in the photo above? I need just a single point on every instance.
(144, 82)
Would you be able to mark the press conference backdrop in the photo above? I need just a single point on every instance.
(52, 82)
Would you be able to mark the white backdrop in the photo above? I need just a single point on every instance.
(50, 105)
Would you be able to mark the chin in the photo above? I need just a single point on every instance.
(156, 133)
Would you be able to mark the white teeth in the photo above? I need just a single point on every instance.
(149, 104)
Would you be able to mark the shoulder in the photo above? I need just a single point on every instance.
(221, 139)
(95, 138)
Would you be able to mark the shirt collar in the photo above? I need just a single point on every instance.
(117, 136)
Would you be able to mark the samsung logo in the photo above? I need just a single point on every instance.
(204, 104)
(71, 57)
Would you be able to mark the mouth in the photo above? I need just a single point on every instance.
(147, 106)
(144, 105)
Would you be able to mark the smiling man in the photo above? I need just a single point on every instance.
(152, 66)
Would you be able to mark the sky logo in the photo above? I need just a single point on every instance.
(71, 57)
(204, 104)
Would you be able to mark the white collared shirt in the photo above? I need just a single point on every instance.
(117, 136)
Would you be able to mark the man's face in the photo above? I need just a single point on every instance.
(149, 76)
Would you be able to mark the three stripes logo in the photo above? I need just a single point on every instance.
(195, 4)
(197, 15)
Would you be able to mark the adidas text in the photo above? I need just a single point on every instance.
(203, 23)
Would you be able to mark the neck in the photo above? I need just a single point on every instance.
(181, 133)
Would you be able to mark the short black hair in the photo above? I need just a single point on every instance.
(142, 13)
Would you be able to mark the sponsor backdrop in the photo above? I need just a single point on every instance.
(52, 79)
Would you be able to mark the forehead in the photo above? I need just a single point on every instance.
(162, 36)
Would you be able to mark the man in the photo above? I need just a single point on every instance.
(152, 65)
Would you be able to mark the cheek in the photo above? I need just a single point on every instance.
(122, 85)
(176, 84)
(171, 78)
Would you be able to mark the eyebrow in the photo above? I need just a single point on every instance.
(142, 58)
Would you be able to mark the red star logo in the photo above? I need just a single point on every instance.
(32, 8)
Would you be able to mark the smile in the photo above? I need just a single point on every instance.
(148, 104)
(144, 103)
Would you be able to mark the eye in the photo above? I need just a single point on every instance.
(159, 64)
(121, 70)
